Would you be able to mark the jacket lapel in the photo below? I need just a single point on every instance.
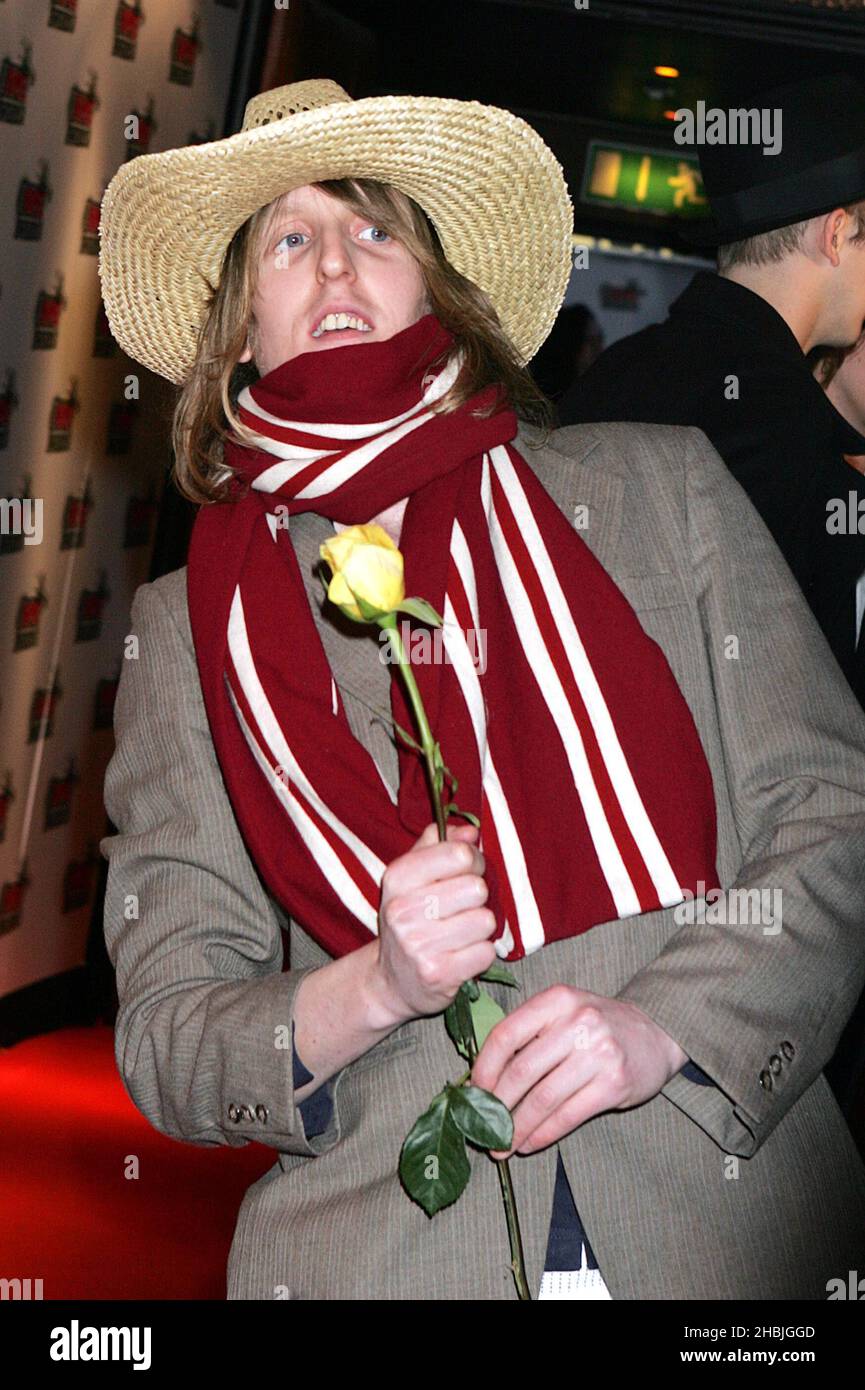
(588, 495)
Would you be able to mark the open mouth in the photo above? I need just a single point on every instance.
(338, 325)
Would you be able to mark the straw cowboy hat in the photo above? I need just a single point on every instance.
(492, 188)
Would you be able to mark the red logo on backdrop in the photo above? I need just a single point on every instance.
(58, 799)
(7, 796)
(15, 78)
(62, 15)
(185, 48)
(8, 401)
(90, 606)
(78, 879)
(27, 621)
(127, 21)
(49, 307)
(621, 296)
(121, 418)
(90, 227)
(140, 515)
(79, 112)
(43, 705)
(140, 143)
(60, 419)
(12, 900)
(106, 694)
(30, 205)
(104, 344)
(12, 541)
(75, 514)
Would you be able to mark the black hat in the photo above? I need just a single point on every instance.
(820, 164)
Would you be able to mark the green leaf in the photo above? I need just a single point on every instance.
(413, 743)
(419, 608)
(498, 974)
(464, 1014)
(438, 768)
(486, 1013)
(471, 989)
(434, 1165)
(452, 1024)
(484, 1119)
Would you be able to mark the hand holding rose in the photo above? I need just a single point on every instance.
(567, 1054)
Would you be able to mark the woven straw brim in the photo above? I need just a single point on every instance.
(493, 189)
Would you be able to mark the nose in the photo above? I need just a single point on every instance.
(335, 256)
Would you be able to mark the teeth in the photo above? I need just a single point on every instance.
(336, 321)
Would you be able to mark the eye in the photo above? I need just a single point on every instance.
(285, 238)
(377, 229)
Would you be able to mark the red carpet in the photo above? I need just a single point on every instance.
(69, 1214)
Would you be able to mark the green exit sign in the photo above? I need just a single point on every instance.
(623, 176)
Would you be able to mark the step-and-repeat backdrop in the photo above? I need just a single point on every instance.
(84, 435)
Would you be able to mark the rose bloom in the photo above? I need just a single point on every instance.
(366, 565)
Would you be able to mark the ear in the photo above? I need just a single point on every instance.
(249, 348)
(831, 230)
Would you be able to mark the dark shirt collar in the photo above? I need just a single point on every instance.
(715, 295)
(712, 295)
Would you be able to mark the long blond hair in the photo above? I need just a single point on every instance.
(204, 413)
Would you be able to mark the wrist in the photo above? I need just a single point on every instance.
(384, 1010)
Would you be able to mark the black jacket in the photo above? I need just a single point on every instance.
(782, 438)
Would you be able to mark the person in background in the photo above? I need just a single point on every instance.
(731, 356)
(575, 342)
(841, 373)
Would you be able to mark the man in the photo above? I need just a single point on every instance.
(605, 1019)
(730, 358)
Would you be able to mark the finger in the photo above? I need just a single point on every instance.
(455, 831)
(428, 836)
(591, 1099)
(445, 897)
(510, 1035)
(427, 864)
(541, 1076)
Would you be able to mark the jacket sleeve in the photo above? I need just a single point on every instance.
(204, 1031)
(316, 1109)
(761, 1010)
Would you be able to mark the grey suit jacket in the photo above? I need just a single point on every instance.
(749, 1189)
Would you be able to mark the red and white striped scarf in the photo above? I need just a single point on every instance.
(572, 742)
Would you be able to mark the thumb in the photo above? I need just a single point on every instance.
(430, 834)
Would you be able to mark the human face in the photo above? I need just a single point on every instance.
(843, 316)
(846, 390)
(318, 257)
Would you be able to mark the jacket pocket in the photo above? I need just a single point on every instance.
(647, 591)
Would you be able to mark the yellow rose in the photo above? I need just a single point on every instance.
(366, 566)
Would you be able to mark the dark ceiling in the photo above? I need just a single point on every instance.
(548, 56)
(576, 72)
